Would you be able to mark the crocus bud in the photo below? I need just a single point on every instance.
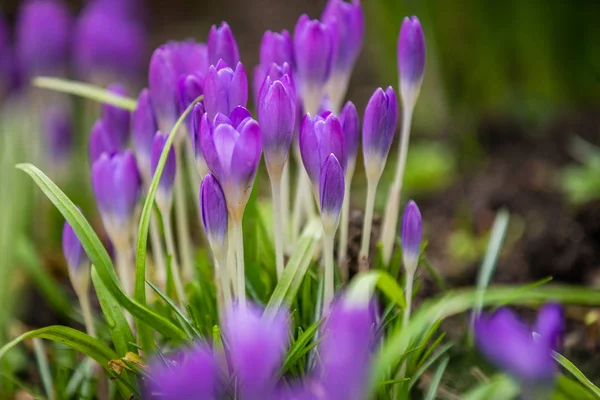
(276, 48)
(412, 232)
(164, 194)
(379, 126)
(350, 127)
(232, 155)
(117, 186)
(78, 263)
(225, 89)
(116, 119)
(222, 46)
(58, 133)
(195, 376)
(143, 128)
(103, 39)
(189, 88)
(214, 213)
(514, 347)
(197, 114)
(276, 115)
(318, 139)
(256, 348)
(43, 37)
(313, 47)
(411, 59)
(101, 141)
(349, 21)
(276, 73)
(331, 193)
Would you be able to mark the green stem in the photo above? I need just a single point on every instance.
(329, 277)
(239, 255)
(367, 225)
(183, 236)
(174, 265)
(277, 224)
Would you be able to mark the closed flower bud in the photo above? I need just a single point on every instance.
(164, 194)
(143, 128)
(43, 32)
(350, 25)
(379, 126)
(78, 263)
(222, 46)
(225, 89)
(351, 127)
(411, 59)
(117, 186)
(116, 119)
(276, 72)
(331, 193)
(213, 208)
(412, 233)
(276, 115)
(318, 139)
(102, 141)
(276, 48)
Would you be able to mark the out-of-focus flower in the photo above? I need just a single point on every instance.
(58, 133)
(412, 232)
(143, 128)
(108, 45)
(116, 119)
(117, 186)
(232, 154)
(78, 263)
(213, 208)
(102, 141)
(197, 114)
(348, 20)
(275, 48)
(351, 128)
(189, 88)
(522, 351)
(225, 89)
(411, 59)
(379, 126)
(331, 192)
(164, 194)
(43, 32)
(222, 46)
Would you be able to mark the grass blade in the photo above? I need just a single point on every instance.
(85, 90)
(498, 387)
(580, 376)
(42, 362)
(363, 286)
(437, 378)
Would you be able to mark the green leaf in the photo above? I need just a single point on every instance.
(42, 362)
(187, 324)
(300, 347)
(437, 378)
(76, 340)
(85, 90)
(98, 255)
(142, 244)
(428, 362)
(580, 376)
(362, 287)
(569, 389)
(296, 268)
(498, 387)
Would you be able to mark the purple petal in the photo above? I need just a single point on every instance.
(167, 178)
(143, 127)
(216, 95)
(379, 125)
(550, 324)
(238, 115)
(313, 50)
(238, 94)
(412, 232)
(209, 150)
(276, 48)
(117, 120)
(72, 249)
(331, 140)
(309, 143)
(350, 22)
(222, 45)
(161, 83)
(100, 142)
(351, 127)
(58, 133)
(213, 209)
(245, 157)
(331, 190)
(411, 51)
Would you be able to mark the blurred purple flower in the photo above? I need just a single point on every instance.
(43, 32)
(348, 20)
(196, 115)
(116, 119)
(58, 133)
(222, 46)
(102, 141)
(514, 347)
(167, 178)
(189, 88)
(213, 208)
(73, 250)
(351, 127)
(143, 129)
(225, 89)
(412, 232)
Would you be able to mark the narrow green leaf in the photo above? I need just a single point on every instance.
(498, 387)
(580, 376)
(188, 326)
(85, 90)
(362, 287)
(437, 378)
(98, 255)
(294, 272)
(142, 244)
(300, 347)
(428, 363)
(42, 362)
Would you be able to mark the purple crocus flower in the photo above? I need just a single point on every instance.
(73, 250)
(522, 351)
(189, 88)
(276, 72)
(214, 212)
(196, 375)
(411, 58)
(277, 115)
(313, 48)
(222, 46)
(318, 139)
(412, 232)
(101, 141)
(58, 133)
(331, 192)
(232, 154)
(379, 126)
(349, 21)
(275, 48)
(103, 39)
(351, 127)
(256, 348)
(43, 37)
(225, 89)
(167, 178)
(117, 186)
(143, 129)
(116, 119)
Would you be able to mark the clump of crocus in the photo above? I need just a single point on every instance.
(232, 150)
(524, 352)
(351, 128)
(313, 48)
(379, 126)
(222, 46)
(78, 266)
(411, 67)
(276, 115)
(213, 209)
(43, 31)
(347, 22)
(225, 89)
(412, 233)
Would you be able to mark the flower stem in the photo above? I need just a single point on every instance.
(239, 255)
(223, 276)
(367, 224)
(285, 204)
(230, 260)
(345, 221)
(408, 293)
(86, 310)
(329, 284)
(390, 221)
(174, 265)
(181, 216)
(158, 252)
(277, 225)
